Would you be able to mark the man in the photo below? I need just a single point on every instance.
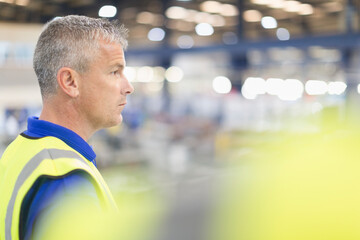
(79, 62)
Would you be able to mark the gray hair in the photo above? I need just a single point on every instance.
(71, 42)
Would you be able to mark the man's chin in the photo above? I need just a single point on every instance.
(118, 121)
(114, 122)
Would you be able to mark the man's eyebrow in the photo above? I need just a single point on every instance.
(118, 65)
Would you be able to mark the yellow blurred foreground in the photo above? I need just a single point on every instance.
(137, 217)
(302, 186)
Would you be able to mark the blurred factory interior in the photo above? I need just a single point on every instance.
(215, 83)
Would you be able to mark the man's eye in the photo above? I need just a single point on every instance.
(115, 72)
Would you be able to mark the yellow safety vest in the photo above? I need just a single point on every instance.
(24, 161)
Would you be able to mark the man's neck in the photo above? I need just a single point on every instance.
(65, 115)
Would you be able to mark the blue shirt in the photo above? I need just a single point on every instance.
(46, 191)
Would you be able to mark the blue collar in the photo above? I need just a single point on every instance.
(41, 128)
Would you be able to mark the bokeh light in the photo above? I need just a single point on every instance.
(156, 34)
(107, 11)
(204, 29)
(268, 22)
(174, 74)
(221, 85)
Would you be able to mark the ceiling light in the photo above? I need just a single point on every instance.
(185, 42)
(156, 34)
(291, 6)
(217, 20)
(159, 74)
(268, 22)
(229, 10)
(316, 87)
(210, 6)
(222, 85)
(276, 4)
(305, 9)
(282, 34)
(202, 17)
(273, 86)
(175, 12)
(130, 73)
(252, 16)
(145, 74)
(191, 15)
(292, 90)
(252, 87)
(174, 74)
(337, 88)
(204, 29)
(145, 17)
(107, 11)
(7, 1)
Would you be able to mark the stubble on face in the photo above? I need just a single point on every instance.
(101, 91)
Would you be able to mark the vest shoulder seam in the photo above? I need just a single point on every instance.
(29, 137)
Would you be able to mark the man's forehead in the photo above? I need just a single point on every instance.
(112, 50)
(112, 47)
(105, 42)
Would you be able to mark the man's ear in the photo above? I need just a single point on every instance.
(68, 81)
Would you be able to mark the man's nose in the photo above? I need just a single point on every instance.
(128, 88)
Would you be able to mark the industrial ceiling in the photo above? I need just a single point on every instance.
(231, 20)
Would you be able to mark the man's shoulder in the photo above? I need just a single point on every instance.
(25, 145)
(12, 149)
(33, 152)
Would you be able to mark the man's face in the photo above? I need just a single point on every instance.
(104, 87)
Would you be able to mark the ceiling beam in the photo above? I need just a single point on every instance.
(329, 41)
